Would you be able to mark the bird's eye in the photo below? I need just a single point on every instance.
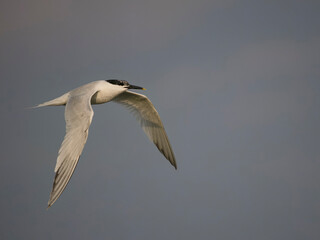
(118, 82)
(114, 82)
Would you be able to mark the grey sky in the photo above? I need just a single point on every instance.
(236, 83)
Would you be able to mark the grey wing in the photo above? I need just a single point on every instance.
(78, 116)
(150, 121)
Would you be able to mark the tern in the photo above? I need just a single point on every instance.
(78, 117)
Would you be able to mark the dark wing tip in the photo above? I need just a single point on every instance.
(175, 166)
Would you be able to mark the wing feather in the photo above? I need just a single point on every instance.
(78, 116)
(150, 121)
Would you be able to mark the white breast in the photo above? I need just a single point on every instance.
(106, 92)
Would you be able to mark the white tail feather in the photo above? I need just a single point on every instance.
(62, 100)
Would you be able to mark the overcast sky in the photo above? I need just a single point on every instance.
(237, 86)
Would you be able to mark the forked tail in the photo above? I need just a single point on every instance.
(62, 100)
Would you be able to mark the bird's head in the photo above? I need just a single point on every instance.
(124, 84)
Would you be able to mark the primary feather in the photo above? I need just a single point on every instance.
(78, 117)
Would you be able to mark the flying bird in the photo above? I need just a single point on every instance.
(78, 117)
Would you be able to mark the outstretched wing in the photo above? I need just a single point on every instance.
(150, 121)
(78, 116)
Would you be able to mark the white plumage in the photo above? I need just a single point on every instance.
(78, 116)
